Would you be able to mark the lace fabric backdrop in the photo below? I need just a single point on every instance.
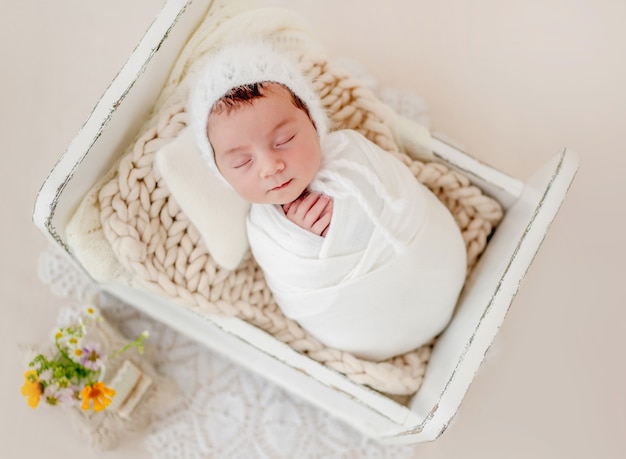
(225, 411)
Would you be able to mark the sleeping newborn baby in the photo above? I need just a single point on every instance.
(352, 246)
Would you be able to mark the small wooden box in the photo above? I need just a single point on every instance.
(529, 210)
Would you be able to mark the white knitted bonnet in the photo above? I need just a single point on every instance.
(243, 64)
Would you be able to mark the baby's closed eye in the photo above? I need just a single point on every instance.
(241, 162)
(284, 140)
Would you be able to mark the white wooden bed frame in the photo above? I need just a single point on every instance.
(529, 210)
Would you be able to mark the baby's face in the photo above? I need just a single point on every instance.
(268, 150)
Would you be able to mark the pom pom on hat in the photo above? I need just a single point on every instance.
(242, 64)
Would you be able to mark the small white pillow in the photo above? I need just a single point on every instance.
(215, 209)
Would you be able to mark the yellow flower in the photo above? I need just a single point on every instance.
(31, 388)
(99, 393)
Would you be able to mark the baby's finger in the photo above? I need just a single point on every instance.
(300, 207)
(320, 227)
(316, 210)
(308, 202)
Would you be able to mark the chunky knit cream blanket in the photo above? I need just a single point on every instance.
(130, 221)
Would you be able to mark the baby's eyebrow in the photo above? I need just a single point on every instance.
(234, 149)
(282, 123)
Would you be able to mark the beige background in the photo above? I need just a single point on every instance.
(511, 81)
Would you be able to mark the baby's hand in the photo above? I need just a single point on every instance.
(311, 211)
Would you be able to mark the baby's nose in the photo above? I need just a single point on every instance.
(272, 164)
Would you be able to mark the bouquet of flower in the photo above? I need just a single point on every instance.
(74, 374)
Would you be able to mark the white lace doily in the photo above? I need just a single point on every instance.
(226, 411)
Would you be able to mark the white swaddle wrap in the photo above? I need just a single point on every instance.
(385, 278)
